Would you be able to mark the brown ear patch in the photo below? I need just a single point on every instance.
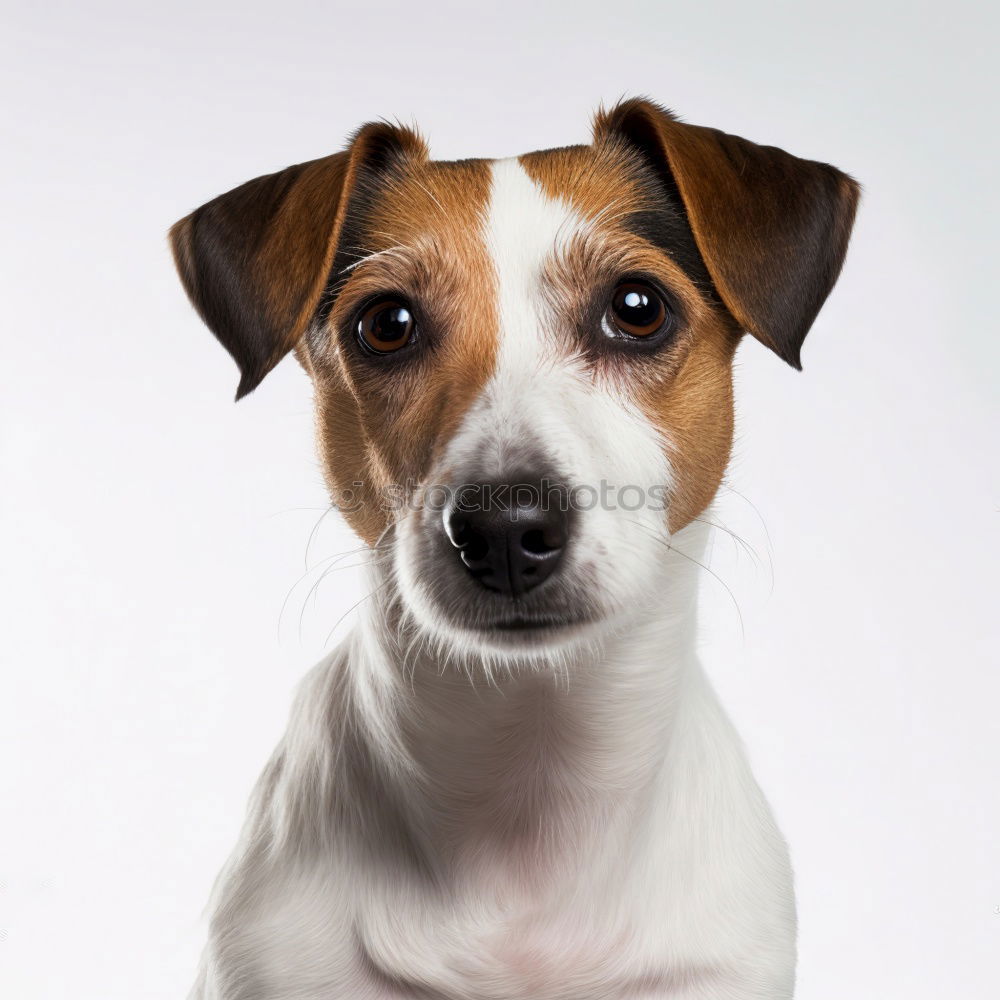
(255, 261)
(772, 228)
(250, 260)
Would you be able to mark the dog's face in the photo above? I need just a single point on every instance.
(523, 367)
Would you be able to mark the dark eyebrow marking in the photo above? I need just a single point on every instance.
(664, 224)
(667, 229)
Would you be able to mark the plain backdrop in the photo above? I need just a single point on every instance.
(158, 600)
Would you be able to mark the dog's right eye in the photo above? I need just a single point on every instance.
(386, 326)
(637, 312)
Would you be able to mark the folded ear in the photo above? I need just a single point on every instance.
(772, 229)
(255, 261)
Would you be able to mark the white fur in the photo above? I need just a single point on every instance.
(578, 825)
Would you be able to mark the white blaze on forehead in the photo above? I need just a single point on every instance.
(525, 229)
(543, 399)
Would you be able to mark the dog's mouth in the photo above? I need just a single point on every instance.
(534, 623)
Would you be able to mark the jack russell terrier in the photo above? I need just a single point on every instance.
(513, 779)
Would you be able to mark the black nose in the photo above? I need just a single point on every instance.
(510, 536)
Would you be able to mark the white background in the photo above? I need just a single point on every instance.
(152, 530)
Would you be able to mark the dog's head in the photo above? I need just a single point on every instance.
(523, 367)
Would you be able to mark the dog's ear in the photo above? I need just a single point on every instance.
(772, 228)
(255, 261)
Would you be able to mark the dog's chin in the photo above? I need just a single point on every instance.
(514, 631)
(539, 636)
(524, 639)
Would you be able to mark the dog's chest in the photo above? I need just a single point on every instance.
(532, 953)
(401, 947)
(545, 901)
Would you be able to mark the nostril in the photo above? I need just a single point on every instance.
(477, 549)
(474, 546)
(471, 543)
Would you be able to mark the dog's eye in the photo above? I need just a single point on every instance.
(386, 326)
(637, 310)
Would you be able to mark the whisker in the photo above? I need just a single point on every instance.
(336, 557)
(388, 252)
(312, 534)
(382, 545)
(295, 510)
(740, 542)
(753, 507)
(354, 607)
(313, 593)
(670, 548)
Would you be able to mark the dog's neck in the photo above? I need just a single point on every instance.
(534, 754)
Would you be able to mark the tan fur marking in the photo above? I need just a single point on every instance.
(694, 408)
(686, 389)
(381, 423)
(598, 181)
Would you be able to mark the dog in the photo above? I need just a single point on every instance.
(513, 779)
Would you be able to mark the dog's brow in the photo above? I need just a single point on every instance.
(398, 251)
(667, 229)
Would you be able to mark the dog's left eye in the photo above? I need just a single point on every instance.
(637, 311)
(386, 326)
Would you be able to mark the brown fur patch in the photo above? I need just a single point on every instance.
(601, 182)
(382, 421)
(684, 388)
(694, 408)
